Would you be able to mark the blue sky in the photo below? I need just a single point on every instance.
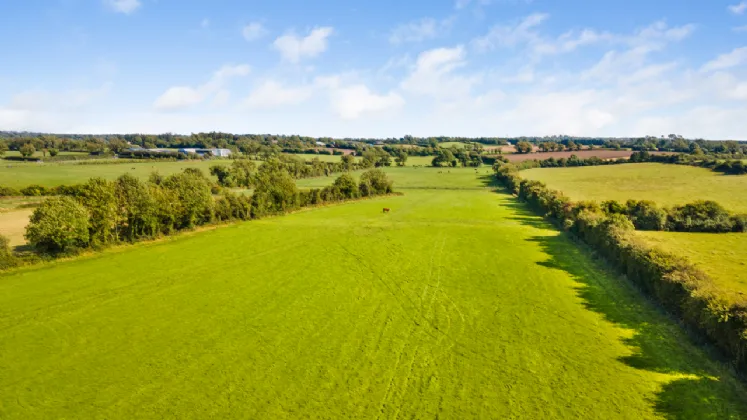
(385, 68)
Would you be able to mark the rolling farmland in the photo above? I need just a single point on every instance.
(458, 304)
(665, 184)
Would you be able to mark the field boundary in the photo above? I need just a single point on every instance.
(671, 280)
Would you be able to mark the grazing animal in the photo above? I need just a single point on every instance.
(386, 210)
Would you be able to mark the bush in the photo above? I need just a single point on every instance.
(645, 215)
(7, 259)
(34, 191)
(375, 182)
(700, 216)
(59, 224)
(9, 192)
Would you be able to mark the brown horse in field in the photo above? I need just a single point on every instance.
(386, 210)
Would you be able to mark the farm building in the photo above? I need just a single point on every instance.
(214, 152)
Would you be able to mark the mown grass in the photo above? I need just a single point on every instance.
(457, 304)
(721, 255)
(665, 184)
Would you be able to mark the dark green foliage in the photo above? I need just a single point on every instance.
(444, 157)
(700, 216)
(645, 215)
(59, 224)
(274, 190)
(374, 182)
(223, 174)
(34, 191)
(137, 215)
(9, 192)
(523, 147)
(242, 172)
(194, 200)
(676, 284)
(97, 195)
(7, 259)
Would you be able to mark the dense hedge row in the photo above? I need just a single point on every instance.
(101, 212)
(679, 286)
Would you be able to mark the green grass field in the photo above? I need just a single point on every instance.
(665, 184)
(721, 255)
(39, 153)
(458, 304)
(22, 174)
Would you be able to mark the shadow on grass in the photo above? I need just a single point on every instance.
(708, 390)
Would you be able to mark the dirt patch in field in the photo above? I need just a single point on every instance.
(584, 154)
(13, 225)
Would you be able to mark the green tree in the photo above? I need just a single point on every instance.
(374, 182)
(3, 148)
(223, 173)
(275, 190)
(348, 162)
(53, 152)
(243, 171)
(97, 196)
(347, 186)
(7, 259)
(27, 150)
(58, 224)
(401, 158)
(444, 157)
(194, 199)
(118, 145)
(137, 209)
(523, 147)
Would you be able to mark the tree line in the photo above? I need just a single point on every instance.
(99, 212)
(675, 283)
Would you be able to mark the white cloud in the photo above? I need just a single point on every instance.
(180, 97)
(434, 74)
(511, 35)
(419, 30)
(272, 94)
(253, 31)
(293, 48)
(123, 6)
(736, 57)
(738, 9)
(353, 101)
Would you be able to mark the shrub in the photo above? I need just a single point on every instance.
(59, 224)
(374, 182)
(645, 215)
(34, 191)
(700, 216)
(7, 259)
(194, 200)
(9, 192)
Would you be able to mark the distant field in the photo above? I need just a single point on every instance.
(21, 174)
(665, 184)
(722, 256)
(459, 304)
(39, 153)
(584, 154)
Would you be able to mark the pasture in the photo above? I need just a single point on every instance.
(458, 304)
(22, 174)
(665, 184)
(723, 256)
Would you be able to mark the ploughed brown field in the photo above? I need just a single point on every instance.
(584, 154)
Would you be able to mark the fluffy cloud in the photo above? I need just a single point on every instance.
(434, 74)
(738, 9)
(736, 57)
(180, 97)
(294, 48)
(123, 6)
(272, 94)
(253, 31)
(353, 101)
(419, 30)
